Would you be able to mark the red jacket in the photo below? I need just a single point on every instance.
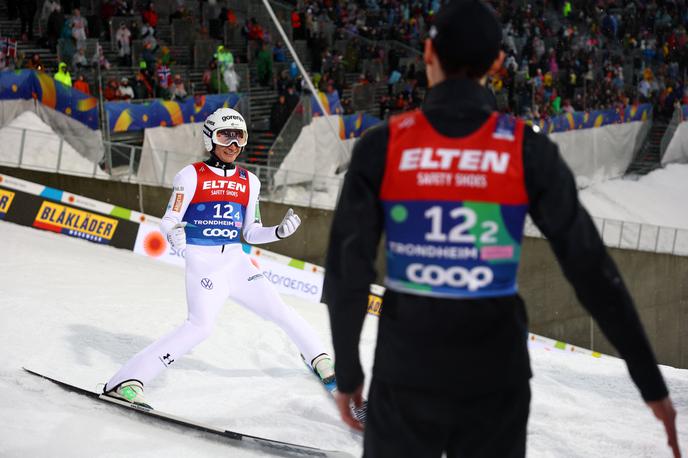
(151, 17)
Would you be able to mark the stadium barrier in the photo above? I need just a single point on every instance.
(38, 151)
(633, 236)
(42, 207)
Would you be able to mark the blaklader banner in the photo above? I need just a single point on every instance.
(41, 207)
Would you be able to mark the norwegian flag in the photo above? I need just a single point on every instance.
(164, 75)
(8, 47)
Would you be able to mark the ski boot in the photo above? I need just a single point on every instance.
(129, 391)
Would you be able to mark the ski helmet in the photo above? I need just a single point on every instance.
(224, 127)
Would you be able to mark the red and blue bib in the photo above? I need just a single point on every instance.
(454, 208)
(216, 212)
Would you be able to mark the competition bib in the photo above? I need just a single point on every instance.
(216, 213)
(454, 208)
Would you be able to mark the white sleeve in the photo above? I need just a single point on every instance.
(183, 189)
(254, 232)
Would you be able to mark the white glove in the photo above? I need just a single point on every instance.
(289, 224)
(177, 236)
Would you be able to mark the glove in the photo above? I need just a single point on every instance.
(177, 236)
(289, 224)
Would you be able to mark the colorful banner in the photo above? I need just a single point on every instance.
(34, 205)
(287, 275)
(329, 100)
(6, 198)
(150, 242)
(353, 126)
(132, 117)
(29, 84)
(592, 119)
(70, 221)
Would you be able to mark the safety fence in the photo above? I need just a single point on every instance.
(634, 236)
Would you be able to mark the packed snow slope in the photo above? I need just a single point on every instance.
(77, 311)
(650, 199)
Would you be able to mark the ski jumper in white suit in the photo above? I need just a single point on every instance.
(217, 205)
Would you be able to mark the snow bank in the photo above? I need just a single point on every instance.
(95, 306)
(30, 143)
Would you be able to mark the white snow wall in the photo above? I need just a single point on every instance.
(594, 155)
(677, 151)
(167, 150)
(317, 151)
(86, 141)
(27, 142)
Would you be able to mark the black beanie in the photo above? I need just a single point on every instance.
(467, 36)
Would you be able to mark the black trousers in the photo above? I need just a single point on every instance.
(416, 423)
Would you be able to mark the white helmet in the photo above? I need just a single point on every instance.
(231, 126)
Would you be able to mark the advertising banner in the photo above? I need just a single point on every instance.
(594, 118)
(152, 243)
(287, 275)
(6, 198)
(29, 84)
(33, 205)
(353, 126)
(288, 280)
(70, 221)
(330, 102)
(132, 117)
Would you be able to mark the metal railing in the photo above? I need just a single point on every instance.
(676, 119)
(46, 152)
(298, 119)
(633, 236)
(291, 187)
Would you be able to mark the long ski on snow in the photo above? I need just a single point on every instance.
(262, 443)
(360, 413)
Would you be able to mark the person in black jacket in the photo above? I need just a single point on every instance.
(450, 186)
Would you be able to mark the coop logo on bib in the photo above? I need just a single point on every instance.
(456, 276)
(217, 232)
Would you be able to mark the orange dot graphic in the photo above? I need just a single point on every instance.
(154, 244)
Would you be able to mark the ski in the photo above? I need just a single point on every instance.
(360, 413)
(261, 443)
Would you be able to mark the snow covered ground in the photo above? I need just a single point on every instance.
(651, 199)
(78, 310)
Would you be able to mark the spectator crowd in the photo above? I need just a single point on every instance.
(560, 56)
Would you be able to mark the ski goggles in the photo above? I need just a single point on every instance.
(225, 137)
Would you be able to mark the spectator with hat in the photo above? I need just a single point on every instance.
(125, 91)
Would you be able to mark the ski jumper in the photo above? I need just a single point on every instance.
(218, 206)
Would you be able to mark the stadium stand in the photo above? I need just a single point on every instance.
(561, 56)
